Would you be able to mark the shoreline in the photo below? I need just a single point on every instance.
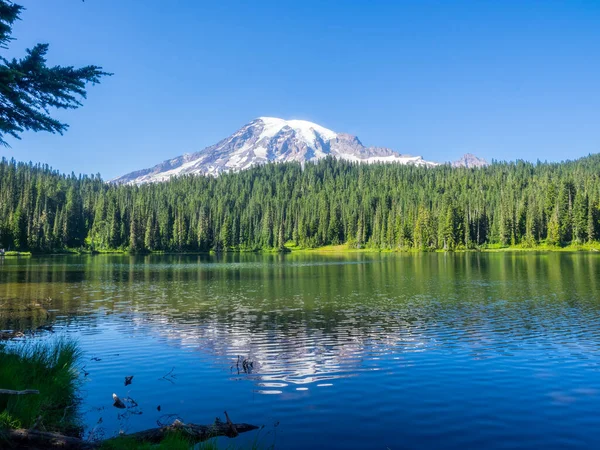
(327, 249)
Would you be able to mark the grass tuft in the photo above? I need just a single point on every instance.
(175, 441)
(51, 369)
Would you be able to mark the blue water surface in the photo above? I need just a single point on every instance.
(348, 351)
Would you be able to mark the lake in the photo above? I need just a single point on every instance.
(356, 350)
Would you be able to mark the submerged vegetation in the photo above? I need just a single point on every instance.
(379, 206)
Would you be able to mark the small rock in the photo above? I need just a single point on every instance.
(117, 403)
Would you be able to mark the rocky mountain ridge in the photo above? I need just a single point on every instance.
(269, 139)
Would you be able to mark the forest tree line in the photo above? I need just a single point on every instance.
(386, 206)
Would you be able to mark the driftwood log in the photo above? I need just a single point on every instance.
(42, 439)
(196, 433)
(45, 439)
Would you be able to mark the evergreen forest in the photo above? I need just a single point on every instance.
(331, 202)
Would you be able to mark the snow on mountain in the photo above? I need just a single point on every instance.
(469, 160)
(269, 139)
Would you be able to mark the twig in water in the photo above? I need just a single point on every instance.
(131, 401)
(248, 365)
(169, 376)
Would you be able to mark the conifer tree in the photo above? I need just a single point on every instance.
(382, 206)
(554, 236)
(29, 88)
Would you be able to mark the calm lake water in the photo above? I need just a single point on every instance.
(350, 351)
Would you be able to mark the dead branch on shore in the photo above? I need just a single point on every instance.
(24, 392)
(196, 433)
(47, 439)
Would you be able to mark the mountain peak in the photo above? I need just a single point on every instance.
(469, 160)
(270, 139)
(308, 131)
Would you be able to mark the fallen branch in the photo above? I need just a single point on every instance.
(169, 376)
(232, 428)
(197, 433)
(46, 439)
(25, 392)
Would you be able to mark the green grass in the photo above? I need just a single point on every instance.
(49, 368)
(543, 247)
(175, 441)
(348, 247)
(14, 253)
(540, 247)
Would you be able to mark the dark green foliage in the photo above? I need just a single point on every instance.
(29, 88)
(172, 442)
(9, 13)
(385, 206)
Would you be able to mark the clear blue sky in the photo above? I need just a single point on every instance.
(502, 79)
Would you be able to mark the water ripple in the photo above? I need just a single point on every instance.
(451, 351)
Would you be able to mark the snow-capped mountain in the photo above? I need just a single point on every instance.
(469, 160)
(268, 139)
